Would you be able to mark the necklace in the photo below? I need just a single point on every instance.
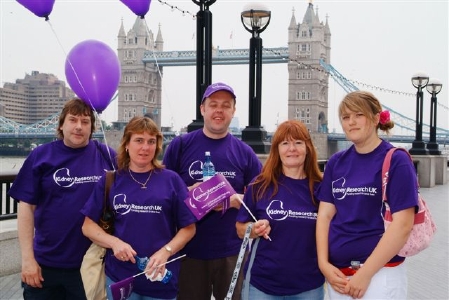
(143, 185)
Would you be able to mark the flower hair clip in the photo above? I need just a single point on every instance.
(384, 117)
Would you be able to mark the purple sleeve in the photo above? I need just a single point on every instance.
(171, 155)
(243, 214)
(26, 186)
(254, 168)
(108, 154)
(93, 208)
(185, 216)
(324, 191)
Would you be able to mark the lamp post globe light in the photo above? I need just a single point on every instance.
(433, 87)
(419, 81)
(203, 57)
(255, 19)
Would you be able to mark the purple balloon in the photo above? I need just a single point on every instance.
(41, 8)
(92, 70)
(139, 7)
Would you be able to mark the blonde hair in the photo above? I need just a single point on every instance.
(366, 103)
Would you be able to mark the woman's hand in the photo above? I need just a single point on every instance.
(156, 263)
(335, 278)
(262, 228)
(123, 251)
(357, 285)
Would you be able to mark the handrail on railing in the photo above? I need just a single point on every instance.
(8, 207)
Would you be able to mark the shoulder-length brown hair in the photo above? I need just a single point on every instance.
(272, 170)
(139, 125)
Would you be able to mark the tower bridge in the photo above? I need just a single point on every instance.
(142, 56)
(219, 57)
(46, 128)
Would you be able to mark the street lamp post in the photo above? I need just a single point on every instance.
(255, 19)
(203, 57)
(433, 87)
(419, 81)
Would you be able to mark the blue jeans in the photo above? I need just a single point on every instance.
(133, 296)
(316, 294)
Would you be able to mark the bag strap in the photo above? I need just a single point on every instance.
(386, 169)
(419, 216)
(110, 177)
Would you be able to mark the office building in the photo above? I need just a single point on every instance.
(34, 98)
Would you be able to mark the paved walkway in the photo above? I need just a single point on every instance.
(427, 272)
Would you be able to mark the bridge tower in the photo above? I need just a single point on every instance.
(140, 87)
(308, 42)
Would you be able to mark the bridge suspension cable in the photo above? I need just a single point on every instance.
(278, 55)
(348, 86)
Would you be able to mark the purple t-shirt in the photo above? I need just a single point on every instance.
(215, 236)
(147, 219)
(287, 265)
(58, 180)
(352, 182)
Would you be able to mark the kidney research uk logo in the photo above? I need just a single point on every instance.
(63, 178)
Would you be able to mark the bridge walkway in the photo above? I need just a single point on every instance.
(427, 271)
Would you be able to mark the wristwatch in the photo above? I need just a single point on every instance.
(169, 249)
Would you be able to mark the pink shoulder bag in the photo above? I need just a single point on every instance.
(423, 228)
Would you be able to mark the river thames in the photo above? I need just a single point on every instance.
(11, 163)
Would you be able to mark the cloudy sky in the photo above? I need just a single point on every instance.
(374, 43)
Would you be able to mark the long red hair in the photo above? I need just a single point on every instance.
(272, 169)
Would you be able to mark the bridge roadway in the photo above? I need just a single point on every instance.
(219, 57)
(45, 128)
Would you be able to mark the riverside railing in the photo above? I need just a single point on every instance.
(8, 207)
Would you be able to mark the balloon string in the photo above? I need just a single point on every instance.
(79, 81)
(70, 63)
(71, 66)
(105, 140)
(160, 75)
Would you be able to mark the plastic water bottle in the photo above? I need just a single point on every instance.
(162, 278)
(208, 167)
(142, 263)
(167, 276)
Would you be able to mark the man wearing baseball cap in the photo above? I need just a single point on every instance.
(212, 253)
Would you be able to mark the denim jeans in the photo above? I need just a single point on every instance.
(133, 296)
(316, 294)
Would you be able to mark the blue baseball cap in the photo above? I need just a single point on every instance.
(215, 87)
